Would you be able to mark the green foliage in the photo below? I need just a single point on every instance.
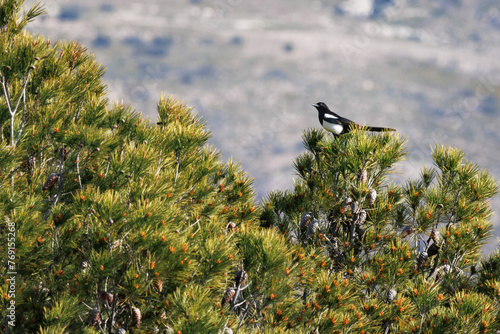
(411, 252)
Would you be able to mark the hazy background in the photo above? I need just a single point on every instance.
(252, 68)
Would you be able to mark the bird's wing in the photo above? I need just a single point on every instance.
(345, 121)
(331, 119)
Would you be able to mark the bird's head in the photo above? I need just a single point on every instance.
(320, 105)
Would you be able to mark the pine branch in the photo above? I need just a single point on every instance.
(12, 172)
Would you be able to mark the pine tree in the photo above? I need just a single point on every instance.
(399, 258)
(121, 224)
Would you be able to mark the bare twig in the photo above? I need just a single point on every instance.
(187, 228)
(13, 111)
(78, 169)
(24, 114)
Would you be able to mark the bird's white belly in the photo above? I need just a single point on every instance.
(334, 128)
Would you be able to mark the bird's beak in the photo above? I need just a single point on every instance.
(314, 105)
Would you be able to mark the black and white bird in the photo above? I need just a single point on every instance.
(337, 124)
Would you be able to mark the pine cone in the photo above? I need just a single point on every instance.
(436, 237)
(104, 296)
(391, 295)
(163, 315)
(312, 228)
(107, 298)
(407, 231)
(240, 278)
(94, 316)
(346, 203)
(228, 296)
(360, 218)
(445, 268)
(306, 218)
(136, 316)
(363, 176)
(110, 299)
(354, 207)
(51, 180)
(371, 197)
(158, 283)
(442, 271)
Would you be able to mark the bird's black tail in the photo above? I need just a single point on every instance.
(378, 129)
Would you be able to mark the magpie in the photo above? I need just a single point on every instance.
(337, 124)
